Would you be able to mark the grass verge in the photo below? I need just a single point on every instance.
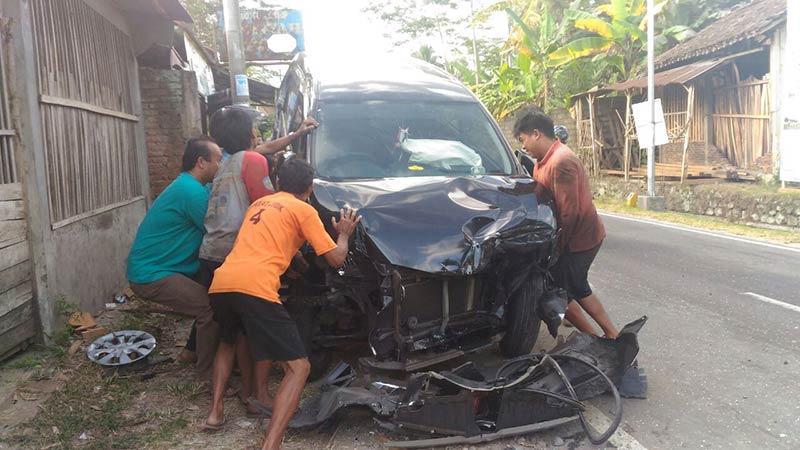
(696, 221)
(97, 409)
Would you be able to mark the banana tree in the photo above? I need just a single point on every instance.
(509, 88)
(537, 44)
(614, 34)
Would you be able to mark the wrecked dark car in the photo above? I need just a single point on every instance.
(453, 250)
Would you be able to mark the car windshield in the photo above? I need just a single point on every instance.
(378, 139)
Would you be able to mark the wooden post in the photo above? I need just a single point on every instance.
(708, 98)
(595, 168)
(626, 153)
(687, 130)
(578, 121)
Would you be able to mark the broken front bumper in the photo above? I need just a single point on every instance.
(472, 404)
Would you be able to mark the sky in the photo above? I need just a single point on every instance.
(336, 25)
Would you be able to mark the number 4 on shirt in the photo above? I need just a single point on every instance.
(255, 218)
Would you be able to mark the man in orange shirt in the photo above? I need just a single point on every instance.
(560, 172)
(244, 292)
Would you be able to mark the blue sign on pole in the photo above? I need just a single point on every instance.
(242, 88)
(261, 22)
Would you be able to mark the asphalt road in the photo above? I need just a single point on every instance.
(721, 356)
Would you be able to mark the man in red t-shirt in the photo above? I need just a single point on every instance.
(560, 172)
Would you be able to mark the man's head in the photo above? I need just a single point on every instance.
(296, 177)
(232, 128)
(534, 130)
(201, 158)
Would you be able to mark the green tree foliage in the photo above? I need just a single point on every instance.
(204, 16)
(426, 54)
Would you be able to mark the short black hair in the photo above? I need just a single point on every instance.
(232, 128)
(295, 176)
(531, 118)
(199, 147)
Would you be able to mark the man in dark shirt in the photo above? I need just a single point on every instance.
(559, 171)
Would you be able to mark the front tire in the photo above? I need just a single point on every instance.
(522, 320)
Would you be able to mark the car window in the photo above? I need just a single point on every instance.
(378, 139)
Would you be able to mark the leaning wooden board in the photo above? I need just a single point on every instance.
(17, 306)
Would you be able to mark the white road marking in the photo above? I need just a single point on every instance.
(703, 232)
(764, 299)
(620, 439)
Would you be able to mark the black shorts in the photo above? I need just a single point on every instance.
(571, 272)
(206, 273)
(272, 334)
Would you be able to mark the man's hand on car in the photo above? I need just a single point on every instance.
(307, 126)
(347, 222)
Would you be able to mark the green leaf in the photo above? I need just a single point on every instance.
(523, 62)
(595, 25)
(579, 48)
(619, 9)
(523, 26)
(624, 29)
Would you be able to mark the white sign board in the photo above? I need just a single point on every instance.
(644, 127)
(790, 103)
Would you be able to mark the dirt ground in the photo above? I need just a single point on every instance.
(68, 402)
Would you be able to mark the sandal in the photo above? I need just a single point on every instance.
(212, 428)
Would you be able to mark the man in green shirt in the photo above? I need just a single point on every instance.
(164, 255)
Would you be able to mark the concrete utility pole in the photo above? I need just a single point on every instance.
(651, 97)
(475, 44)
(240, 91)
(651, 201)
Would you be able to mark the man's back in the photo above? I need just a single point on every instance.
(231, 195)
(273, 230)
(561, 172)
(169, 236)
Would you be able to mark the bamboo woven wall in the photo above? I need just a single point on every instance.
(674, 101)
(742, 121)
(84, 73)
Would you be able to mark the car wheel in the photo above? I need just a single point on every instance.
(522, 321)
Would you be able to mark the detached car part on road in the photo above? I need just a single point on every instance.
(471, 404)
(454, 246)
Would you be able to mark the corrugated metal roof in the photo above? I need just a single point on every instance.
(678, 75)
(743, 23)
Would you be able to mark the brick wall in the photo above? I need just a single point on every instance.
(560, 116)
(171, 109)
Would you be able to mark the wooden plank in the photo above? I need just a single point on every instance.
(12, 232)
(50, 100)
(12, 210)
(11, 191)
(16, 316)
(14, 254)
(14, 276)
(16, 338)
(15, 296)
(743, 116)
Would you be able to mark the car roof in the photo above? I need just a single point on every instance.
(396, 79)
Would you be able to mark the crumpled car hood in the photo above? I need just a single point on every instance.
(420, 222)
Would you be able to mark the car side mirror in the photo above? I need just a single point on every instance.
(527, 162)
